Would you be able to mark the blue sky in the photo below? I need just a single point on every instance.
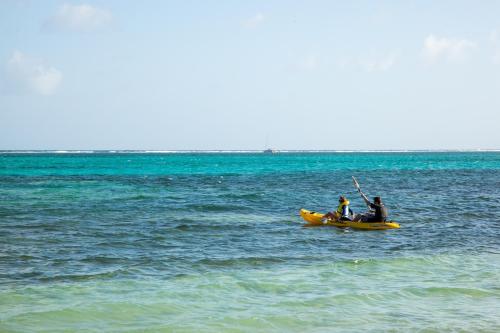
(246, 74)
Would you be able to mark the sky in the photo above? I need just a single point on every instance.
(210, 75)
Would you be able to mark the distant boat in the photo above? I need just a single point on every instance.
(270, 151)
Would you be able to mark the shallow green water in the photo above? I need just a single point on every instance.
(213, 242)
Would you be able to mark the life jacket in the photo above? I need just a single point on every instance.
(343, 211)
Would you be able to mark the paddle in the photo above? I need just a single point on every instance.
(356, 184)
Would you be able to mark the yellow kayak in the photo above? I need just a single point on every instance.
(314, 218)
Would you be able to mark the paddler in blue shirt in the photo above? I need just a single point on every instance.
(342, 213)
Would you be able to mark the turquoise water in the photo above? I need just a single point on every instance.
(213, 243)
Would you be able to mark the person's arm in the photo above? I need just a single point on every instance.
(368, 203)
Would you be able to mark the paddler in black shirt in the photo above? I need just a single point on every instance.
(379, 213)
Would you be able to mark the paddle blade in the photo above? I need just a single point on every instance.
(356, 184)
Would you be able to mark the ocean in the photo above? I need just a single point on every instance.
(213, 242)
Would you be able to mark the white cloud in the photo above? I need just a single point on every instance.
(254, 21)
(83, 18)
(496, 57)
(450, 49)
(494, 36)
(369, 63)
(28, 74)
(309, 63)
(495, 40)
(378, 64)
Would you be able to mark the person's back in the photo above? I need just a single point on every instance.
(343, 209)
(380, 210)
(343, 212)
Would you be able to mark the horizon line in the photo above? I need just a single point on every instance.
(208, 151)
